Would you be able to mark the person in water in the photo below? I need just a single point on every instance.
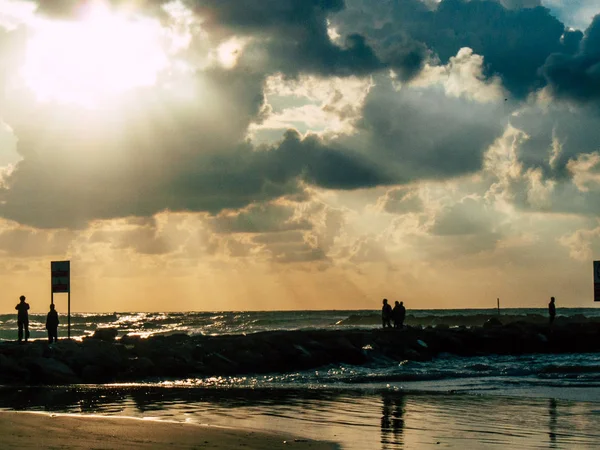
(552, 310)
(23, 318)
(386, 314)
(52, 324)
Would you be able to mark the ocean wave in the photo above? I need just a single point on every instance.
(244, 322)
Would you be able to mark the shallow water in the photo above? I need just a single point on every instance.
(385, 419)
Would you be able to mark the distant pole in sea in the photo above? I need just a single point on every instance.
(498, 300)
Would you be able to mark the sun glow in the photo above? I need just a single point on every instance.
(98, 56)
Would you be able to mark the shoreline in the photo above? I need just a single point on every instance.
(31, 430)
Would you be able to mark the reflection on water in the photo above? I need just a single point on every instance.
(385, 420)
(392, 422)
(552, 422)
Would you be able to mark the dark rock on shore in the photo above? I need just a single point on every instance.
(103, 358)
(470, 320)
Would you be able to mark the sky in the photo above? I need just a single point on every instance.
(299, 154)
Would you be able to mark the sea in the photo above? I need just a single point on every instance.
(496, 401)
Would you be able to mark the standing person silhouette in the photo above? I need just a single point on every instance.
(52, 324)
(396, 314)
(23, 318)
(386, 314)
(551, 310)
(401, 315)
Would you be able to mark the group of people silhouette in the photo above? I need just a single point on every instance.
(398, 313)
(395, 315)
(23, 321)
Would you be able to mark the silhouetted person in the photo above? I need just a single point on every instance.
(551, 310)
(23, 318)
(396, 314)
(52, 324)
(386, 314)
(401, 315)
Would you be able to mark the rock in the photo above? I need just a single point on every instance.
(131, 358)
(93, 352)
(97, 374)
(11, 371)
(130, 340)
(50, 371)
(492, 322)
(105, 334)
(140, 368)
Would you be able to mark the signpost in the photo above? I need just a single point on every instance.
(61, 283)
(597, 281)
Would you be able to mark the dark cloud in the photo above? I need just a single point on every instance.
(519, 4)
(556, 134)
(425, 134)
(323, 165)
(514, 42)
(295, 37)
(577, 77)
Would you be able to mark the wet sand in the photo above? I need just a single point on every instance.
(19, 430)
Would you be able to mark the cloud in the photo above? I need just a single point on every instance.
(137, 160)
(555, 134)
(583, 244)
(577, 76)
(466, 217)
(574, 13)
(419, 134)
(19, 241)
(261, 218)
(294, 37)
(519, 4)
(515, 42)
(463, 77)
(328, 105)
(400, 201)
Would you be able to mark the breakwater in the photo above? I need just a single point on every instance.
(106, 358)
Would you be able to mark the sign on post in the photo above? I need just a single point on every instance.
(597, 281)
(60, 276)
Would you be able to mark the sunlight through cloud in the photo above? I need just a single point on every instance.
(102, 54)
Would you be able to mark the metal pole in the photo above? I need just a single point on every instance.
(69, 313)
(498, 306)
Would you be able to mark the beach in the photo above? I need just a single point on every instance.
(20, 430)
(364, 419)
